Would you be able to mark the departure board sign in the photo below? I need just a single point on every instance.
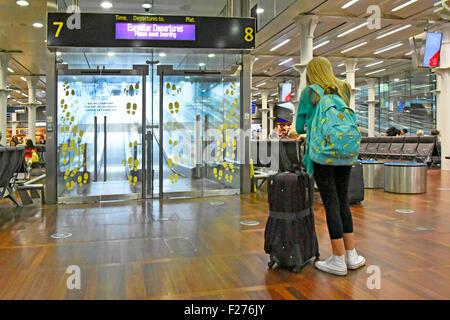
(149, 31)
(155, 31)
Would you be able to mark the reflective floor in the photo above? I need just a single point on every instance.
(197, 249)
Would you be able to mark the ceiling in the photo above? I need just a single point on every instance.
(333, 21)
(18, 34)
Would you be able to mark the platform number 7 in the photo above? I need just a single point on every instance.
(60, 25)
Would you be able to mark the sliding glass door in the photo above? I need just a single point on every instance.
(100, 135)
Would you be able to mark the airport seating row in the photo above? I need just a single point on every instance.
(12, 162)
(423, 149)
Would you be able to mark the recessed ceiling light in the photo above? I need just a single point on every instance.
(403, 5)
(408, 53)
(261, 84)
(211, 55)
(393, 46)
(22, 3)
(321, 44)
(280, 44)
(259, 10)
(106, 5)
(201, 64)
(374, 64)
(394, 31)
(146, 5)
(10, 70)
(348, 4)
(341, 65)
(354, 47)
(162, 54)
(58, 53)
(373, 72)
(38, 25)
(285, 61)
(23, 78)
(111, 54)
(353, 29)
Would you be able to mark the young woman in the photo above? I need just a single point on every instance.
(332, 181)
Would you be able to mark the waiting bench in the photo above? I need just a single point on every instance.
(400, 148)
(12, 162)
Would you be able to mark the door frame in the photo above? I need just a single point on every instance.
(138, 70)
(167, 70)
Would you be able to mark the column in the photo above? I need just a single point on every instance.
(307, 25)
(296, 99)
(371, 103)
(264, 110)
(14, 123)
(271, 116)
(350, 68)
(32, 107)
(443, 101)
(245, 116)
(4, 92)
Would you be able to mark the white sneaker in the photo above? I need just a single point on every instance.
(334, 264)
(354, 261)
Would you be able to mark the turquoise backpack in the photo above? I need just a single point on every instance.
(334, 137)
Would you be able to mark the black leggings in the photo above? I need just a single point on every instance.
(333, 182)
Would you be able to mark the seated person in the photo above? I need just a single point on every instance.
(29, 149)
(403, 132)
(420, 133)
(392, 132)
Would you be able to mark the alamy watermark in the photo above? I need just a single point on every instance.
(73, 282)
(374, 280)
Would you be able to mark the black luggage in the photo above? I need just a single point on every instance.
(290, 235)
(356, 186)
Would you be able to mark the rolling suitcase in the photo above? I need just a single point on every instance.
(356, 185)
(290, 236)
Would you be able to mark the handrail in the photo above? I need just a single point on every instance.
(37, 179)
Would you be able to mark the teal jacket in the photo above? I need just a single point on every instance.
(305, 113)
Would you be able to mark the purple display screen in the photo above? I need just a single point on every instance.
(151, 31)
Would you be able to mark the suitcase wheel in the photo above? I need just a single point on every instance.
(296, 269)
(271, 264)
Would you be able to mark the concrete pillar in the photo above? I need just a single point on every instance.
(32, 107)
(296, 99)
(264, 110)
(307, 25)
(245, 121)
(350, 68)
(14, 123)
(443, 101)
(271, 116)
(371, 103)
(4, 92)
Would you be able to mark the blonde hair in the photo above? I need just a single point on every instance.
(319, 71)
(420, 133)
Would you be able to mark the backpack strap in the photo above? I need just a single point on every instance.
(318, 89)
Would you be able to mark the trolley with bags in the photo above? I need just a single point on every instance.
(290, 235)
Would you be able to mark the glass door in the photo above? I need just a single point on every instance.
(198, 133)
(100, 138)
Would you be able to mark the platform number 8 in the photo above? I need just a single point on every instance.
(248, 34)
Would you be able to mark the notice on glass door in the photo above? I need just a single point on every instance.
(151, 31)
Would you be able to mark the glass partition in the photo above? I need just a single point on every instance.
(201, 122)
(404, 101)
(99, 135)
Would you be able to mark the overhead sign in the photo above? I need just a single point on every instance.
(117, 30)
(155, 31)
